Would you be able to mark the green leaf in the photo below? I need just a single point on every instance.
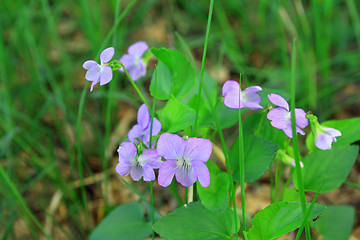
(176, 116)
(290, 195)
(267, 131)
(194, 222)
(124, 222)
(349, 128)
(327, 170)
(337, 222)
(215, 197)
(278, 219)
(209, 92)
(228, 117)
(259, 154)
(175, 74)
(163, 88)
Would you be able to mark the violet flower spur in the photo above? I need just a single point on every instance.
(132, 61)
(323, 136)
(142, 129)
(138, 166)
(99, 72)
(249, 98)
(281, 116)
(185, 159)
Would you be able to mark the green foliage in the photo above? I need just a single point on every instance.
(216, 196)
(125, 222)
(175, 74)
(176, 116)
(327, 170)
(194, 222)
(349, 128)
(259, 154)
(266, 131)
(336, 222)
(290, 195)
(278, 219)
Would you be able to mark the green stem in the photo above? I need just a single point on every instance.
(186, 195)
(141, 196)
(79, 152)
(203, 65)
(355, 185)
(151, 129)
(295, 140)
(109, 105)
(305, 222)
(21, 201)
(260, 123)
(241, 162)
(223, 144)
(136, 87)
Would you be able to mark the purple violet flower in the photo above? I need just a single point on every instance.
(138, 166)
(132, 61)
(99, 72)
(281, 116)
(325, 136)
(185, 159)
(249, 98)
(142, 129)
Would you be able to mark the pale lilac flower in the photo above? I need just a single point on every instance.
(99, 72)
(138, 166)
(132, 61)
(325, 136)
(142, 129)
(249, 98)
(185, 159)
(281, 116)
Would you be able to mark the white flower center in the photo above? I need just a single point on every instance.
(184, 163)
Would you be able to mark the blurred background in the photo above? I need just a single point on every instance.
(57, 173)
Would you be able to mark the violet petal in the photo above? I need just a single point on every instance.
(202, 173)
(89, 64)
(230, 85)
(279, 117)
(170, 146)
(185, 176)
(106, 75)
(166, 172)
(198, 149)
(107, 54)
(138, 49)
(143, 117)
(278, 100)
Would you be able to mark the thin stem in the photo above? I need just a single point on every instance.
(109, 105)
(223, 144)
(260, 124)
(355, 185)
(21, 201)
(79, 152)
(295, 140)
(298, 235)
(136, 87)
(141, 196)
(186, 195)
(203, 65)
(152, 209)
(151, 129)
(241, 162)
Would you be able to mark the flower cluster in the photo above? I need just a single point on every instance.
(183, 158)
(280, 116)
(103, 72)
